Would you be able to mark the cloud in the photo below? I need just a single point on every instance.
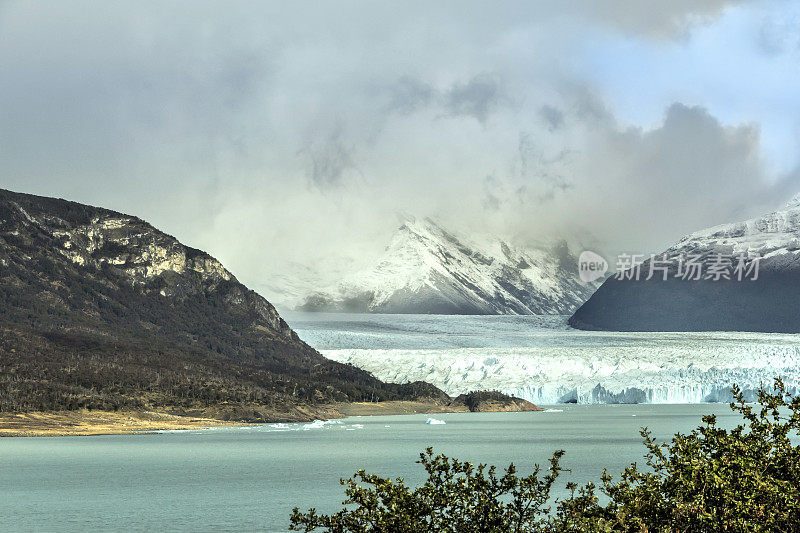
(549, 173)
(639, 190)
(329, 160)
(779, 34)
(410, 94)
(476, 98)
(491, 202)
(273, 136)
(659, 20)
(551, 116)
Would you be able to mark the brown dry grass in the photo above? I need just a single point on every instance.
(73, 423)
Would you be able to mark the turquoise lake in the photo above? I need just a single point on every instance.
(248, 479)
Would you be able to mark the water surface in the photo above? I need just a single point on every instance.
(236, 479)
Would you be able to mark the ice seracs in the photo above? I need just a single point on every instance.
(320, 424)
(691, 373)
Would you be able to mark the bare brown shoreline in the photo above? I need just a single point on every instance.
(90, 423)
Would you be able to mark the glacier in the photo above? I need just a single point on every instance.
(544, 361)
(613, 374)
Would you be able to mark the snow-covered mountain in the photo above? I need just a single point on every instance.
(769, 303)
(427, 269)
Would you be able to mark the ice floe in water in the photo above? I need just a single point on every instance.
(433, 421)
(319, 424)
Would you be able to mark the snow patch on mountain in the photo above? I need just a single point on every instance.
(767, 236)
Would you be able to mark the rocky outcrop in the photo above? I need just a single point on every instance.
(126, 248)
(493, 402)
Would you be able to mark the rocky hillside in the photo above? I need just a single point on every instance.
(101, 310)
(428, 269)
(770, 303)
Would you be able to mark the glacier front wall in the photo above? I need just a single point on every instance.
(720, 390)
(653, 373)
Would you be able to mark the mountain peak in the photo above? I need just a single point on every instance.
(429, 269)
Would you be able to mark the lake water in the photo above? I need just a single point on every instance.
(246, 479)
(250, 478)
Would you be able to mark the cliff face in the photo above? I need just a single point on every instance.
(100, 309)
(116, 251)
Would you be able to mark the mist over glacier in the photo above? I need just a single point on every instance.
(541, 359)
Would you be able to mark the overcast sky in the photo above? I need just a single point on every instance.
(277, 134)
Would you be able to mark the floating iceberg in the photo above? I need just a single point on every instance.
(319, 424)
(435, 421)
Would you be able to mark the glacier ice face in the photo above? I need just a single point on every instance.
(543, 361)
(611, 374)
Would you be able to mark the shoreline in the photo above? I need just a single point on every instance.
(93, 423)
(84, 423)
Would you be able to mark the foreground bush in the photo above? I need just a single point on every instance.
(711, 479)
